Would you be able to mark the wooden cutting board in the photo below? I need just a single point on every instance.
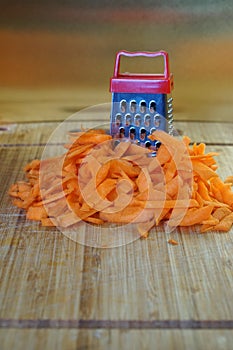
(58, 294)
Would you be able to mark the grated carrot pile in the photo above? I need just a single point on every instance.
(99, 181)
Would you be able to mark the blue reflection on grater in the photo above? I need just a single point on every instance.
(141, 103)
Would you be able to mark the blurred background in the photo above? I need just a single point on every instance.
(57, 57)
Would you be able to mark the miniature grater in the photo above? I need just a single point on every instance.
(141, 103)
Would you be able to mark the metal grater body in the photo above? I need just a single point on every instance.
(136, 116)
(141, 103)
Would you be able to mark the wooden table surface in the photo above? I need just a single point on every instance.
(59, 294)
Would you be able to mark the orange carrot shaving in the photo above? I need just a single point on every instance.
(99, 181)
(225, 224)
(172, 241)
(229, 180)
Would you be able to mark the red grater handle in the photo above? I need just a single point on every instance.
(162, 53)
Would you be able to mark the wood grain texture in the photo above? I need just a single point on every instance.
(143, 293)
(103, 339)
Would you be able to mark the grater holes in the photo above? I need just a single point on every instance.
(157, 144)
(170, 115)
(143, 107)
(121, 132)
(147, 120)
(148, 144)
(152, 130)
(133, 106)
(123, 106)
(142, 134)
(128, 120)
(152, 107)
(157, 120)
(137, 120)
(118, 120)
(132, 133)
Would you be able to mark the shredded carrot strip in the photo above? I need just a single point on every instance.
(172, 241)
(98, 181)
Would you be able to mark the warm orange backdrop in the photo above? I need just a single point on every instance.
(69, 50)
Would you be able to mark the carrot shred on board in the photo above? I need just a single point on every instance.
(99, 181)
(229, 180)
(172, 241)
